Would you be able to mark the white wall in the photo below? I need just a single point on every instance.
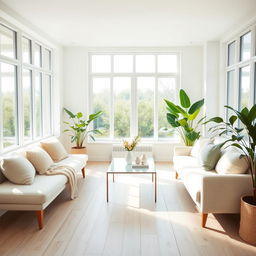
(76, 90)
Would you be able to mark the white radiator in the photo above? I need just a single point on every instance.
(119, 151)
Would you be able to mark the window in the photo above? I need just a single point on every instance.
(231, 53)
(240, 86)
(25, 97)
(27, 104)
(245, 46)
(130, 90)
(244, 87)
(26, 50)
(7, 42)
(9, 104)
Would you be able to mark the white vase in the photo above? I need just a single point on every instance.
(129, 157)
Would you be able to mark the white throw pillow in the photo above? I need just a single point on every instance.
(232, 163)
(40, 159)
(199, 144)
(55, 149)
(17, 169)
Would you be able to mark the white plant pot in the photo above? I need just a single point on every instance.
(129, 157)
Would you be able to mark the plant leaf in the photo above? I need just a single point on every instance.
(232, 119)
(252, 113)
(216, 119)
(172, 120)
(197, 105)
(71, 115)
(172, 106)
(184, 99)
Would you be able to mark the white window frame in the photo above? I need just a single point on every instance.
(18, 62)
(238, 65)
(134, 75)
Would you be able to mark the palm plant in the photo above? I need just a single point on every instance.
(183, 117)
(241, 136)
(78, 127)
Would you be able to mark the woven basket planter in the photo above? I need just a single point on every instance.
(247, 229)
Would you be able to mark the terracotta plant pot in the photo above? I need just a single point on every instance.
(247, 229)
(76, 150)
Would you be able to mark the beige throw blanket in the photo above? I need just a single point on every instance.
(70, 173)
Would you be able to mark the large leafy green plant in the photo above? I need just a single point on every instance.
(183, 117)
(78, 127)
(241, 133)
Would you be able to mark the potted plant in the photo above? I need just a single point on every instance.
(78, 128)
(243, 137)
(182, 118)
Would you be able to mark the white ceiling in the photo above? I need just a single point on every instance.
(132, 23)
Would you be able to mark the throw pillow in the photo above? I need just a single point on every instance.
(199, 144)
(40, 159)
(210, 154)
(17, 169)
(231, 162)
(55, 149)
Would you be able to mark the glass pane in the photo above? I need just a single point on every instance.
(123, 63)
(8, 91)
(47, 104)
(46, 59)
(7, 42)
(37, 55)
(26, 50)
(244, 87)
(231, 53)
(27, 104)
(101, 63)
(230, 91)
(122, 106)
(167, 63)
(145, 63)
(166, 90)
(145, 90)
(101, 102)
(38, 104)
(245, 46)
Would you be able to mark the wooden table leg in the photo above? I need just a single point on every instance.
(113, 177)
(155, 187)
(107, 185)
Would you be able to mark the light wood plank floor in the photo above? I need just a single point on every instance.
(130, 224)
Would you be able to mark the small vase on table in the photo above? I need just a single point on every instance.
(129, 157)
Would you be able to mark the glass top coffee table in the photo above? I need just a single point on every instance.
(119, 166)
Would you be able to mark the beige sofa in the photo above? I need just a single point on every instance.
(211, 192)
(42, 192)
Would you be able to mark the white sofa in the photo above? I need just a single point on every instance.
(211, 192)
(42, 192)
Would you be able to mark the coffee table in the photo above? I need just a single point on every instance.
(119, 166)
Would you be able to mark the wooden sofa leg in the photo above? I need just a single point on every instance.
(40, 218)
(176, 175)
(203, 219)
(83, 172)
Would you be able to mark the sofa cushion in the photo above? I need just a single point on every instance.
(181, 162)
(209, 156)
(231, 162)
(43, 189)
(199, 144)
(192, 179)
(55, 149)
(40, 159)
(76, 161)
(18, 170)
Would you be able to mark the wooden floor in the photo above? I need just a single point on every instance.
(130, 224)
